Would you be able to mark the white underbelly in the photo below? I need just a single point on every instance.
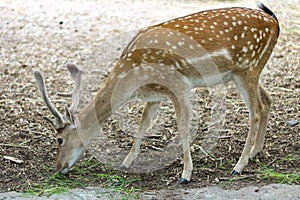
(148, 93)
(211, 80)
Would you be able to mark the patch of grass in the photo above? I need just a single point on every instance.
(288, 159)
(54, 184)
(288, 178)
(221, 165)
(85, 174)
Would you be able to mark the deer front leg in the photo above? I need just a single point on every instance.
(149, 113)
(187, 160)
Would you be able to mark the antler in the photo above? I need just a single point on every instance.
(59, 121)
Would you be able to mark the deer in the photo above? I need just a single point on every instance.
(166, 61)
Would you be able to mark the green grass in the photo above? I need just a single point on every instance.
(267, 173)
(54, 184)
(85, 174)
(288, 178)
(288, 159)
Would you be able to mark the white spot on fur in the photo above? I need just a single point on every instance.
(251, 47)
(267, 29)
(244, 49)
(242, 35)
(180, 43)
(178, 66)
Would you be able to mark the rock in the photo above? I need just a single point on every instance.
(292, 123)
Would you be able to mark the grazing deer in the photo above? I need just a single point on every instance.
(167, 61)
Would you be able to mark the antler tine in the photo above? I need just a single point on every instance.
(75, 72)
(58, 122)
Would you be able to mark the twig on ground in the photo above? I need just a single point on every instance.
(14, 145)
(237, 178)
(13, 159)
(207, 154)
(270, 163)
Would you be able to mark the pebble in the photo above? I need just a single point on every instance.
(292, 123)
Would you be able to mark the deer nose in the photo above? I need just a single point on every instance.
(63, 169)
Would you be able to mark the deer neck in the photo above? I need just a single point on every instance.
(89, 121)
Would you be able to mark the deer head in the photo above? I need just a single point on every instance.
(67, 137)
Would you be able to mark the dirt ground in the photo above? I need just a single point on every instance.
(47, 34)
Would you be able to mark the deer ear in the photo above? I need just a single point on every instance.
(69, 116)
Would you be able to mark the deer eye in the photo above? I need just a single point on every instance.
(60, 141)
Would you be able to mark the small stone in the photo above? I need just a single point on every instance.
(292, 123)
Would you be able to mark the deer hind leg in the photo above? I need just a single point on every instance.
(248, 86)
(183, 112)
(149, 113)
(265, 111)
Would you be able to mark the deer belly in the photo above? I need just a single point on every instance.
(211, 80)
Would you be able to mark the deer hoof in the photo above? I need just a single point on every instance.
(234, 173)
(182, 181)
(124, 168)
